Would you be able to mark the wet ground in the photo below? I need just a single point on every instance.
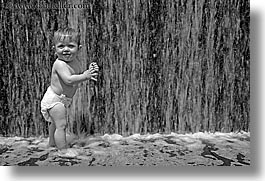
(199, 149)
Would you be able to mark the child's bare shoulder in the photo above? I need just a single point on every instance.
(59, 64)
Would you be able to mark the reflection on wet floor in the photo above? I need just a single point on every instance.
(200, 149)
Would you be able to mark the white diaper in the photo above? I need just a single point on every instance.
(50, 99)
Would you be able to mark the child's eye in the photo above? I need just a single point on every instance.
(60, 46)
(71, 46)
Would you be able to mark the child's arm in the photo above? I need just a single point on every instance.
(68, 78)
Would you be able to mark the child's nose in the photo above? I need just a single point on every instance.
(66, 48)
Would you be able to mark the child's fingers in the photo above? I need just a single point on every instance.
(94, 74)
(93, 78)
(93, 70)
(93, 64)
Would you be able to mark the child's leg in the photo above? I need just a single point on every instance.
(58, 114)
(52, 129)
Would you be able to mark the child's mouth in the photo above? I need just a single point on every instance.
(67, 55)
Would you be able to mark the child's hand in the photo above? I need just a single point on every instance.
(91, 73)
(93, 66)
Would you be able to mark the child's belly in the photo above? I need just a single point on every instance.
(67, 90)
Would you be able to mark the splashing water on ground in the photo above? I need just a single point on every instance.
(199, 149)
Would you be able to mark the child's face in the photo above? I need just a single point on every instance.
(66, 50)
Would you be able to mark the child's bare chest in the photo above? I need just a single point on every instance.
(75, 68)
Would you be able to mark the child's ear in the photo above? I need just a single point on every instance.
(53, 47)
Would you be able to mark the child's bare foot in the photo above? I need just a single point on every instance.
(46, 146)
(68, 152)
(51, 147)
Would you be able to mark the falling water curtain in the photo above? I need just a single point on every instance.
(165, 65)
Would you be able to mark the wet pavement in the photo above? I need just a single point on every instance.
(199, 149)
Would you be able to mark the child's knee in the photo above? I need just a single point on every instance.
(58, 114)
(61, 124)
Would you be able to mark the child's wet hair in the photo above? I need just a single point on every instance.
(67, 34)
